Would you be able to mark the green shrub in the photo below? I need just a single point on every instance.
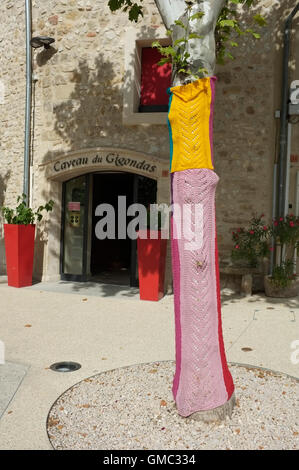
(251, 244)
(24, 215)
(283, 275)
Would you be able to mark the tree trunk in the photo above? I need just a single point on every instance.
(203, 387)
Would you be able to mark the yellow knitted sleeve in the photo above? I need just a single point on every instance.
(190, 117)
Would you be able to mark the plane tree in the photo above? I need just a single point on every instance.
(202, 32)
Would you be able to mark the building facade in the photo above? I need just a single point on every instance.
(90, 143)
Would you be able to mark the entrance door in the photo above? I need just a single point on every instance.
(111, 258)
(85, 257)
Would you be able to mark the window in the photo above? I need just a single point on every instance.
(145, 99)
(155, 80)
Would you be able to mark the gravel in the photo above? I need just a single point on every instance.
(133, 408)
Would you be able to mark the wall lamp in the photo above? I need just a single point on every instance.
(40, 41)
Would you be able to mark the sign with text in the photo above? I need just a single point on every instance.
(113, 159)
(74, 206)
(102, 159)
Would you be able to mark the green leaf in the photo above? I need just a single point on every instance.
(23, 214)
(135, 12)
(260, 20)
(115, 4)
(229, 23)
(195, 36)
(169, 50)
(156, 44)
(179, 41)
(203, 71)
(165, 60)
(197, 16)
(229, 55)
(180, 23)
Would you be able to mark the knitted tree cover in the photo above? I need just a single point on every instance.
(202, 380)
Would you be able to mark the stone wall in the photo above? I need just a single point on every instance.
(78, 99)
(245, 132)
(12, 106)
(79, 91)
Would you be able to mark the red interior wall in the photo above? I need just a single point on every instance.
(155, 79)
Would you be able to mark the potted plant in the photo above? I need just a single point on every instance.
(283, 282)
(19, 233)
(151, 252)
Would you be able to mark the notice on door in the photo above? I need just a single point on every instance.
(74, 206)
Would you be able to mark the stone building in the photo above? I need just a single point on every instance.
(89, 140)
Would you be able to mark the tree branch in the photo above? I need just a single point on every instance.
(216, 5)
(170, 10)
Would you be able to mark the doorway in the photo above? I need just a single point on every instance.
(111, 259)
(85, 257)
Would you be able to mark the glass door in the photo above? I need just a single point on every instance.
(75, 209)
(144, 192)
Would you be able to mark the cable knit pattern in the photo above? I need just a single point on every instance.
(202, 380)
(189, 120)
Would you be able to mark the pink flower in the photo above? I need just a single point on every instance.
(280, 219)
(275, 223)
(251, 232)
(237, 247)
(292, 224)
(265, 227)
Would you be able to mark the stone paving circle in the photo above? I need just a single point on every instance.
(133, 408)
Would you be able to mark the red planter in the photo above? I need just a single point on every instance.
(151, 264)
(19, 251)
